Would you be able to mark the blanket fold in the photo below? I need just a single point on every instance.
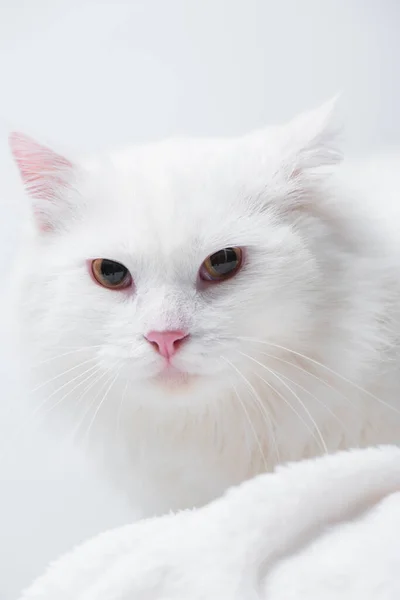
(321, 529)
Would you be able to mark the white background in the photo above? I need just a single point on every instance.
(86, 74)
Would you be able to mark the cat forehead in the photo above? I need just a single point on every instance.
(168, 226)
(169, 200)
(197, 181)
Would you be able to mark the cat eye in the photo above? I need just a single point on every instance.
(221, 265)
(111, 274)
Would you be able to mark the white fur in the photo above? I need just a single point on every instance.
(322, 529)
(298, 353)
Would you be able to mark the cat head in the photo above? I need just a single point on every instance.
(160, 266)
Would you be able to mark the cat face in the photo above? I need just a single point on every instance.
(160, 266)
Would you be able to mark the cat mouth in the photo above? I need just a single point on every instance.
(170, 376)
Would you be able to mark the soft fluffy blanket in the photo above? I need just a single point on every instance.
(320, 529)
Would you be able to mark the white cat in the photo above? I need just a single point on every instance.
(204, 309)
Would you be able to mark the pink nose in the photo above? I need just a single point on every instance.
(166, 342)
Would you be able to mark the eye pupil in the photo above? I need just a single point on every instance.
(224, 261)
(221, 265)
(110, 273)
(113, 272)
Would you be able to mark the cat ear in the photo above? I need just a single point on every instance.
(46, 175)
(311, 139)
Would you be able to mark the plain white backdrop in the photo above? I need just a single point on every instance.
(86, 74)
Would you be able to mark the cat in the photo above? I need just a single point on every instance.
(199, 310)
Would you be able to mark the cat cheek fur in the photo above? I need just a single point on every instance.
(317, 287)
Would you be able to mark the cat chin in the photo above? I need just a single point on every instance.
(173, 380)
(179, 389)
(181, 383)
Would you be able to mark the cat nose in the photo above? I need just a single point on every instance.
(166, 342)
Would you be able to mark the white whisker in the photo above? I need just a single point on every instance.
(313, 375)
(261, 407)
(328, 369)
(253, 429)
(32, 418)
(89, 406)
(74, 351)
(100, 404)
(317, 429)
(318, 400)
(43, 384)
(93, 372)
(61, 387)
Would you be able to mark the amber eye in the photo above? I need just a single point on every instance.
(221, 265)
(111, 274)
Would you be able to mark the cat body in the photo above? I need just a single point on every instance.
(290, 350)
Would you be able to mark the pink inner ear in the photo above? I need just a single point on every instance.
(42, 170)
(295, 173)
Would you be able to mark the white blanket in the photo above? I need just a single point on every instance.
(321, 529)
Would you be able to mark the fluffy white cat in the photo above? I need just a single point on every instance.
(204, 309)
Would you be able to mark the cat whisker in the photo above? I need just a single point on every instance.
(313, 375)
(90, 386)
(32, 419)
(328, 369)
(293, 409)
(264, 412)
(92, 402)
(39, 408)
(93, 372)
(317, 433)
(274, 374)
(77, 366)
(253, 429)
(318, 400)
(100, 404)
(70, 352)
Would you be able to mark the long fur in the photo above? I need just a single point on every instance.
(296, 355)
